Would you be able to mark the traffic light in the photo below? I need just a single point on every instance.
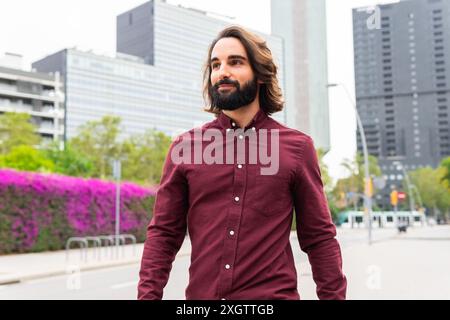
(394, 198)
(369, 187)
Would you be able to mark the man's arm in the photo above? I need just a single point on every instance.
(165, 233)
(315, 229)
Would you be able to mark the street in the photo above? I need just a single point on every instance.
(407, 266)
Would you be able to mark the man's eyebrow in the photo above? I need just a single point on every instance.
(235, 56)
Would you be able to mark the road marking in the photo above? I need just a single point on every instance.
(125, 285)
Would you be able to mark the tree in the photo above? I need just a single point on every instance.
(26, 158)
(446, 178)
(98, 140)
(434, 194)
(355, 182)
(68, 161)
(145, 155)
(17, 130)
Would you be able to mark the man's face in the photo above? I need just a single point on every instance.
(233, 82)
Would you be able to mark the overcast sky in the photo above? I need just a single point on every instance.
(38, 28)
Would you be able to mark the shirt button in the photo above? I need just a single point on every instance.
(231, 233)
(224, 299)
(227, 266)
(254, 129)
(233, 124)
(228, 130)
(241, 136)
(240, 166)
(236, 199)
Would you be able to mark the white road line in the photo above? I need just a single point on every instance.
(125, 285)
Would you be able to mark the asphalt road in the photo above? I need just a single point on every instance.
(121, 282)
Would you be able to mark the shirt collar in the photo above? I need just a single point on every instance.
(228, 123)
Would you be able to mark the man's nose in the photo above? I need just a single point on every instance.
(224, 72)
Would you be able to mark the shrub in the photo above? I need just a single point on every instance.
(41, 211)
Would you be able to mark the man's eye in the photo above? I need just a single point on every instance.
(215, 65)
(236, 62)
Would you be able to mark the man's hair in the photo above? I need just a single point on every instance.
(262, 64)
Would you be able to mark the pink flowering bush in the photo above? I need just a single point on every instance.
(41, 211)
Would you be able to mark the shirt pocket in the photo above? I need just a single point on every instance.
(269, 195)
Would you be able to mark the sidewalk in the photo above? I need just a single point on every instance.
(29, 266)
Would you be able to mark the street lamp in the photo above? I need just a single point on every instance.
(368, 197)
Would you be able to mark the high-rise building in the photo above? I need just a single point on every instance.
(37, 94)
(402, 73)
(302, 25)
(155, 81)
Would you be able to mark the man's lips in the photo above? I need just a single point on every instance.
(227, 86)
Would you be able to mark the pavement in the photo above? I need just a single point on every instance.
(30, 266)
(396, 266)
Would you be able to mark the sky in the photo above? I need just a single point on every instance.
(36, 29)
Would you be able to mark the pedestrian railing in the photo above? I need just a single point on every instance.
(103, 246)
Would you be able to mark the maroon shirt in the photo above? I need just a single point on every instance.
(239, 223)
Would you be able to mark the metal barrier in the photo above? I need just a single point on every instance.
(83, 243)
(108, 242)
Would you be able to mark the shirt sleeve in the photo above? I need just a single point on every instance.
(166, 231)
(315, 229)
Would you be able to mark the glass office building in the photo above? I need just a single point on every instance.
(302, 24)
(155, 80)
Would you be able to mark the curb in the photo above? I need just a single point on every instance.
(17, 278)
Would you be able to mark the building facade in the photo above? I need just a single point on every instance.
(302, 25)
(402, 72)
(155, 80)
(37, 94)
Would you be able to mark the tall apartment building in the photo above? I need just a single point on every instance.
(37, 94)
(155, 81)
(302, 25)
(402, 73)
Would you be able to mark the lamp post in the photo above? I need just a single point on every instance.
(367, 186)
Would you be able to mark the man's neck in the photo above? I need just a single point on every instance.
(244, 115)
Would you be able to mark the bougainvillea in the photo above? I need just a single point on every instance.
(41, 211)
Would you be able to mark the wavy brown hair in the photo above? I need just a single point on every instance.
(262, 64)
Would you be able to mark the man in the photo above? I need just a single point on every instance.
(239, 214)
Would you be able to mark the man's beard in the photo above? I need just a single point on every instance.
(236, 99)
